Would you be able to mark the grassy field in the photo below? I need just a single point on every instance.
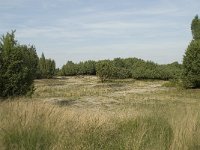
(82, 113)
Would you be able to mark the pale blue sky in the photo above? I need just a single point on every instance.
(78, 30)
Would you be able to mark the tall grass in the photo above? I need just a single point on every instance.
(137, 115)
(27, 126)
(34, 125)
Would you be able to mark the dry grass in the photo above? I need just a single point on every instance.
(81, 113)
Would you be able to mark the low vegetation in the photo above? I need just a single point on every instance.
(120, 114)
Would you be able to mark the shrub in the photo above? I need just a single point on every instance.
(191, 59)
(104, 70)
(69, 69)
(18, 67)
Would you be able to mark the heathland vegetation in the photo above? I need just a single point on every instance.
(124, 103)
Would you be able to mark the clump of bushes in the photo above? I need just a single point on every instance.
(137, 69)
(18, 66)
(119, 68)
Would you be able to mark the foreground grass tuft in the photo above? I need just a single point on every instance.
(23, 129)
(28, 138)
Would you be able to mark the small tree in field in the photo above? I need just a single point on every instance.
(104, 70)
(191, 60)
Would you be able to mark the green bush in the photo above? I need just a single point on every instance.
(191, 59)
(18, 67)
(69, 69)
(87, 68)
(104, 70)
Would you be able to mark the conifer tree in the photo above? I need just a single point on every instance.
(46, 68)
(191, 60)
(17, 68)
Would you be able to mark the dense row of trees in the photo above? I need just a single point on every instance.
(46, 68)
(119, 68)
(82, 68)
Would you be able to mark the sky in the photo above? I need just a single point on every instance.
(79, 30)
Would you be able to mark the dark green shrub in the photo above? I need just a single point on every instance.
(104, 70)
(191, 59)
(120, 73)
(120, 68)
(69, 69)
(87, 68)
(18, 67)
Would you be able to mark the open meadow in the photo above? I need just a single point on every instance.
(83, 113)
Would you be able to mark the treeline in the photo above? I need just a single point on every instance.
(46, 68)
(82, 68)
(120, 68)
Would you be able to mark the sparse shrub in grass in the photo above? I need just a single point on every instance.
(169, 84)
(173, 83)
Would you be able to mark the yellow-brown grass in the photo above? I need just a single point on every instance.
(81, 113)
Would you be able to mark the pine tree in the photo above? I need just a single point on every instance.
(191, 60)
(46, 68)
(18, 67)
(195, 27)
